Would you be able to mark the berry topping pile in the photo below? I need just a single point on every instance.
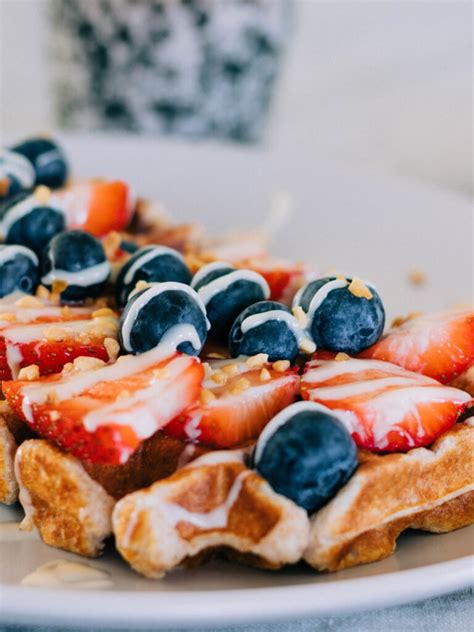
(116, 325)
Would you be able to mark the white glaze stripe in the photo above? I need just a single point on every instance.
(255, 320)
(353, 389)
(208, 291)
(14, 164)
(205, 270)
(7, 253)
(151, 292)
(322, 294)
(148, 254)
(21, 209)
(324, 370)
(82, 278)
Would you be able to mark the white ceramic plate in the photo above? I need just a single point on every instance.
(372, 224)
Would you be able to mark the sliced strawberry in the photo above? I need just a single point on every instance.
(96, 206)
(283, 277)
(52, 345)
(103, 415)
(237, 401)
(440, 346)
(384, 407)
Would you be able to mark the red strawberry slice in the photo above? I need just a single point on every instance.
(384, 407)
(283, 277)
(51, 345)
(102, 415)
(440, 346)
(237, 401)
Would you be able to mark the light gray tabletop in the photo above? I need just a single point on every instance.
(451, 613)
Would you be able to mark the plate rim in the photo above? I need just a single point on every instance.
(262, 604)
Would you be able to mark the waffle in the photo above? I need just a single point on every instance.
(12, 432)
(430, 489)
(70, 510)
(215, 503)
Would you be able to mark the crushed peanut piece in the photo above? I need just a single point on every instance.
(58, 286)
(341, 357)
(281, 365)
(103, 312)
(29, 373)
(358, 288)
(341, 277)
(55, 333)
(8, 316)
(111, 243)
(219, 378)
(42, 194)
(216, 356)
(112, 347)
(54, 415)
(417, 277)
(307, 346)
(101, 302)
(42, 292)
(300, 316)
(28, 301)
(257, 361)
(141, 285)
(265, 375)
(401, 320)
(68, 368)
(240, 386)
(206, 396)
(87, 363)
(230, 369)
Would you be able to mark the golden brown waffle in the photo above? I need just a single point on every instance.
(213, 503)
(12, 432)
(70, 510)
(430, 489)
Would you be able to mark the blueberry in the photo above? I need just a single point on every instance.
(47, 159)
(226, 292)
(171, 311)
(19, 270)
(78, 259)
(306, 454)
(128, 246)
(25, 220)
(339, 320)
(266, 327)
(16, 174)
(151, 264)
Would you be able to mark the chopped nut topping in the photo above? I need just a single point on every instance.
(257, 361)
(307, 346)
(42, 194)
(29, 373)
(230, 369)
(417, 277)
(111, 243)
(358, 288)
(68, 368)
(42, 292)
(300, 316)
(112, 347)
(87, 363)
(58, 286)
(102, 312)
(341, 277)
(281, 365)
(101, 302)
(216, 356)
(141, 285)
(219, 378)
(54, 415)
(8, 316)
(206, 396)
(55, 333)
(341, 357)
(28, 301)
(265, 375)
(240, 386)
(401, 320)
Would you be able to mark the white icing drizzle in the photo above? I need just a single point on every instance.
(23, 208)
(27, 315)
(75, 384)
(255, 320)
(205, 270)
(322, 294)
(7, 253)
(281, 418)
(24, 495)
(192, 430)
(353, 389)
(211, 289)
(151, 292)
(68, 573)
(82, 278)
(15, 164)
(23, 334)
(14, 358)
(148, 254)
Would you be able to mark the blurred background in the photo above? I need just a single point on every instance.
(367, 81)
